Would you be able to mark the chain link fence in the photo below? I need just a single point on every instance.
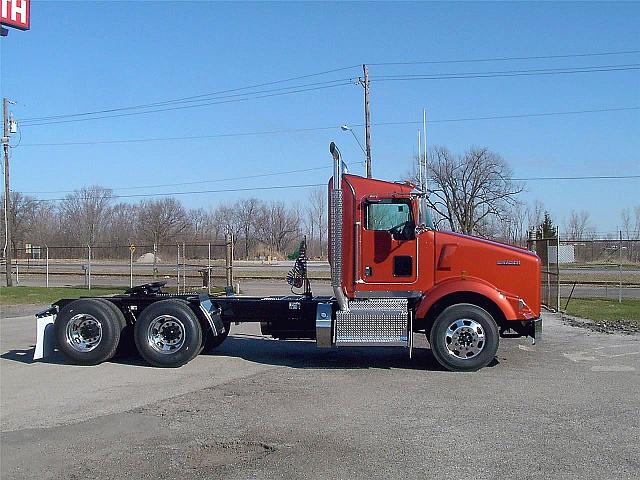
(604, 268)
(183, 266)
(581, 268)
(547, 249)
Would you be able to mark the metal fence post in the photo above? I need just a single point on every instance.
(558, 265)
(131, 267)
(178, 266)
(184, 268)
(89, 268)
(155, 260)
(46, 247)
(620, 269)
(209, 267)
(17, 272)
(546, 241)
(229, 259)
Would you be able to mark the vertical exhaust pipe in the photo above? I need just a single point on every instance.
(336, 230)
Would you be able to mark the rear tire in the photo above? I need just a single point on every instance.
(168, 333)
(464, 338)
(126, 346)
(87, 331)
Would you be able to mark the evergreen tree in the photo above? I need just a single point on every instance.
(546, 229)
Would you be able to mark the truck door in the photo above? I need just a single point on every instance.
(387, 243)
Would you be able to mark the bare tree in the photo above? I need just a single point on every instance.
(46, 224)
(577, 225)
(160, 221)
(85, 213)
(21, 217)
(198, 220)
(316, 220)
(247, 211)
(227, 219)
(278, 226)
(535, 214)
(121, 229)
(512, 227)
(468, 190)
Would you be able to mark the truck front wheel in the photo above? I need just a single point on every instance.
(168, 334)
(464, 338)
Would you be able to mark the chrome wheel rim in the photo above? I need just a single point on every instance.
(166, 334)
(465, 338)
(84, 332)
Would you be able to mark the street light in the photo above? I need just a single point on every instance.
(347, 128)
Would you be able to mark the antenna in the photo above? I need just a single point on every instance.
(424, 129)
(419, 162)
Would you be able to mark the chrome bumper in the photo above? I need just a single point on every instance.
(536, 329)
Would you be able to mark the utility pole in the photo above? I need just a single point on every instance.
(7, 225)
(367, 119)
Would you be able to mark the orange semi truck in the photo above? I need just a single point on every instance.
(391, 275)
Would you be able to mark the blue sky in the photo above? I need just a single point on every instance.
(85, 56)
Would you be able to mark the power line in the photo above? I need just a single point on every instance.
(505, 117)
(506, 73)
(192, 97)
(326, 72)
(278, 187)
(504, 59)
(583, 177)
(200, 182)
(333, 127)
(37, 121)
(182, 107)
(190, 137)
(171, 194)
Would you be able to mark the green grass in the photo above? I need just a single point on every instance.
(605, 310)
(25, 295)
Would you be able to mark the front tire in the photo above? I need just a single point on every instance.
(87, 331)
(168, 334)
(464, 338)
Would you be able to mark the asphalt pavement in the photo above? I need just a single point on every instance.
(260, 408)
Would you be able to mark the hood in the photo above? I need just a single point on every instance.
(514, 271)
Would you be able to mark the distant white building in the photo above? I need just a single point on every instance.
(566, 254)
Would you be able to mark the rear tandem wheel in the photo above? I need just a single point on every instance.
(168, 333)
(87, 331)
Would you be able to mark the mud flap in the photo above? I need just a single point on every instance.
(45, 337)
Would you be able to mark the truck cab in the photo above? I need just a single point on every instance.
(386, 264)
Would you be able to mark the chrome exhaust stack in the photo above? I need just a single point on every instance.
(336, 230)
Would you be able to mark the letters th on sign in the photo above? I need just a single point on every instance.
(15, 13)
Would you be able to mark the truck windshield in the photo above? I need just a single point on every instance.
(385, 216)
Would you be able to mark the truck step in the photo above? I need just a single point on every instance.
(374, 321)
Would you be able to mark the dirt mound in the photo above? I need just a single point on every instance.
(148, 258)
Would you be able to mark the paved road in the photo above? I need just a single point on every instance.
(260, 408)
(605, 291)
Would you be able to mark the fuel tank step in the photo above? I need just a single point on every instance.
(373, 321)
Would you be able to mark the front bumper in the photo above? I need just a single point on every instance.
(537, 328)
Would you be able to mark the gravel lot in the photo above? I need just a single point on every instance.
(259, 408)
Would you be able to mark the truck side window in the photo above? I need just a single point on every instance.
(385, 216)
